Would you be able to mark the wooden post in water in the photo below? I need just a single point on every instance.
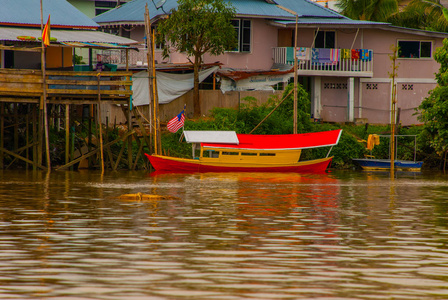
(393, 108)
(43, 105)
(2, 132)
(67, 133)
(100, 123)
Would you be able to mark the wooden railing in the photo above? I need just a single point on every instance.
(66, 85)
(340, 66)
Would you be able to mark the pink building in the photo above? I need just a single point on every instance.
(344, 64)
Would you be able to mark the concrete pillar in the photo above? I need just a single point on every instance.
(351, 100)
(316, 104)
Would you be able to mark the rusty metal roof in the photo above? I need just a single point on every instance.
(83, 36)
(27, 13)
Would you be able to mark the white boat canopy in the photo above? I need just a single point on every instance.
(215, 137)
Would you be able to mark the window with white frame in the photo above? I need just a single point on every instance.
(414, 49)
(243, 30)
(325, 39)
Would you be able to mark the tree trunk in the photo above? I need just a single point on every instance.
(196, 101)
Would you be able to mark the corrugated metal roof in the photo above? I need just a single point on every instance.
(260, 8)
(134, 11)
(27, 12)
(87, 36)
(330, 21)
(306, 8)
(308, 12)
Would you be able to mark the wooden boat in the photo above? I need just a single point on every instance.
(370, 163)
(226, 151)
(373, 164)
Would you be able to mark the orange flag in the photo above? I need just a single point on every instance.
(46, 33)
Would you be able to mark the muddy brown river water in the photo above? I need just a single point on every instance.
(341, 235)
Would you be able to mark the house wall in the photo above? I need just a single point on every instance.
(372, 96)
(27, 60)
(415, 77)
(263, 38)
(59, 57)
(87, 7)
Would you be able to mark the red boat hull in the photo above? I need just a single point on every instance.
(165, 163)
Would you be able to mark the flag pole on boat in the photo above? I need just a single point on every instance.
(153, 107)
(295, 78)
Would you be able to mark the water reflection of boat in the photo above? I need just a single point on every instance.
(226, 151)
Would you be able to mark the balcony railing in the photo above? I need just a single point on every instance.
(327, 62)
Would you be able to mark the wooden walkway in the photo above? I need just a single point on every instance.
(73, 99)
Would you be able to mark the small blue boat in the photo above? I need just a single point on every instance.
(370, 163)
(373, 164)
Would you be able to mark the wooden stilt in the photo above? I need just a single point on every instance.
(35, 138)
(2, 133)
(140, 148)
(115, 167)
(27, 137)
(95, 151)
(72, 146)
(142, 127)
(67, 133)
(100, 126)
(40, 136)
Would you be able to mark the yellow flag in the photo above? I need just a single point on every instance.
(46, 33)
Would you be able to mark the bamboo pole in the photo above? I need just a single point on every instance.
(2, 132)
(156, 96)
(152, 99)
(100, 125)
(67, 133)
(393, 108)
(295, 78)
(44, 92)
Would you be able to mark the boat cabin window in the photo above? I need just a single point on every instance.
(210, 153)
(229, 153)
(248, 153)
(267, 154)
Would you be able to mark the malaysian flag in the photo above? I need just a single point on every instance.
(177, 122)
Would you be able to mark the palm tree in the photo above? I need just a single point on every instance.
(422, 14)
(369, 10)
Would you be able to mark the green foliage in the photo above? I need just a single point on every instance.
(249, 115)
(77, 59)
(171, 145)
(199, 26)
(422, 14)
(419, 14)
(433, 111)
(370, 10)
